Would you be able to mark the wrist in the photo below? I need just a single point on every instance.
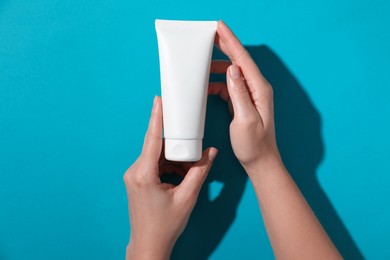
(264, 165)
(138, 250)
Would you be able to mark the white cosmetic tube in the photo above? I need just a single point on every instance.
(185, 49)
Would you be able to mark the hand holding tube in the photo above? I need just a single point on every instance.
(252, 130)
(160, 211)
(293, 229)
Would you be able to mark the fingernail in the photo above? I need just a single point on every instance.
(212, 154)
(234, 72)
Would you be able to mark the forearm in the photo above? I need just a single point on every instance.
(293, 229)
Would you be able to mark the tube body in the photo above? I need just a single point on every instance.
(185, 49)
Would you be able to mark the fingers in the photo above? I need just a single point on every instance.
(257, 84)
(232, 47)
(219, 66)
(153, 139)
(192, 183)
(241, 101)
(219, 89)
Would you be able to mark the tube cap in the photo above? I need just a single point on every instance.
(183, 150)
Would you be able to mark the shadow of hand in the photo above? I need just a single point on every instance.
(211, 218)
(298, 133)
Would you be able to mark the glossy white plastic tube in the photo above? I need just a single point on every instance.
(185, 49)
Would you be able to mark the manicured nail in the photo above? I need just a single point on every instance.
(212, 154)
(234, 72)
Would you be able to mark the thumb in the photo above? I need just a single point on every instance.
(194, 179)
(238, 92)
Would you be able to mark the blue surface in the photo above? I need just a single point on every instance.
(77, 80)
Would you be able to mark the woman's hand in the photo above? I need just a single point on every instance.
(252, 130)
(293, 229)
(160, 211)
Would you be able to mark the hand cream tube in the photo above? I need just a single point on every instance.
(185, 49)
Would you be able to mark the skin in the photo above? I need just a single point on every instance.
(159, 212)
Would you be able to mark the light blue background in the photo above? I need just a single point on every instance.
(77, 80)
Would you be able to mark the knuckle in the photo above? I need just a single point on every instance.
(138, 181)
(243, 54)
(203, 170)
(249, 120)
(134, 176)
(126, 178)
(239, 88)
(131, 170)
(127, 175)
